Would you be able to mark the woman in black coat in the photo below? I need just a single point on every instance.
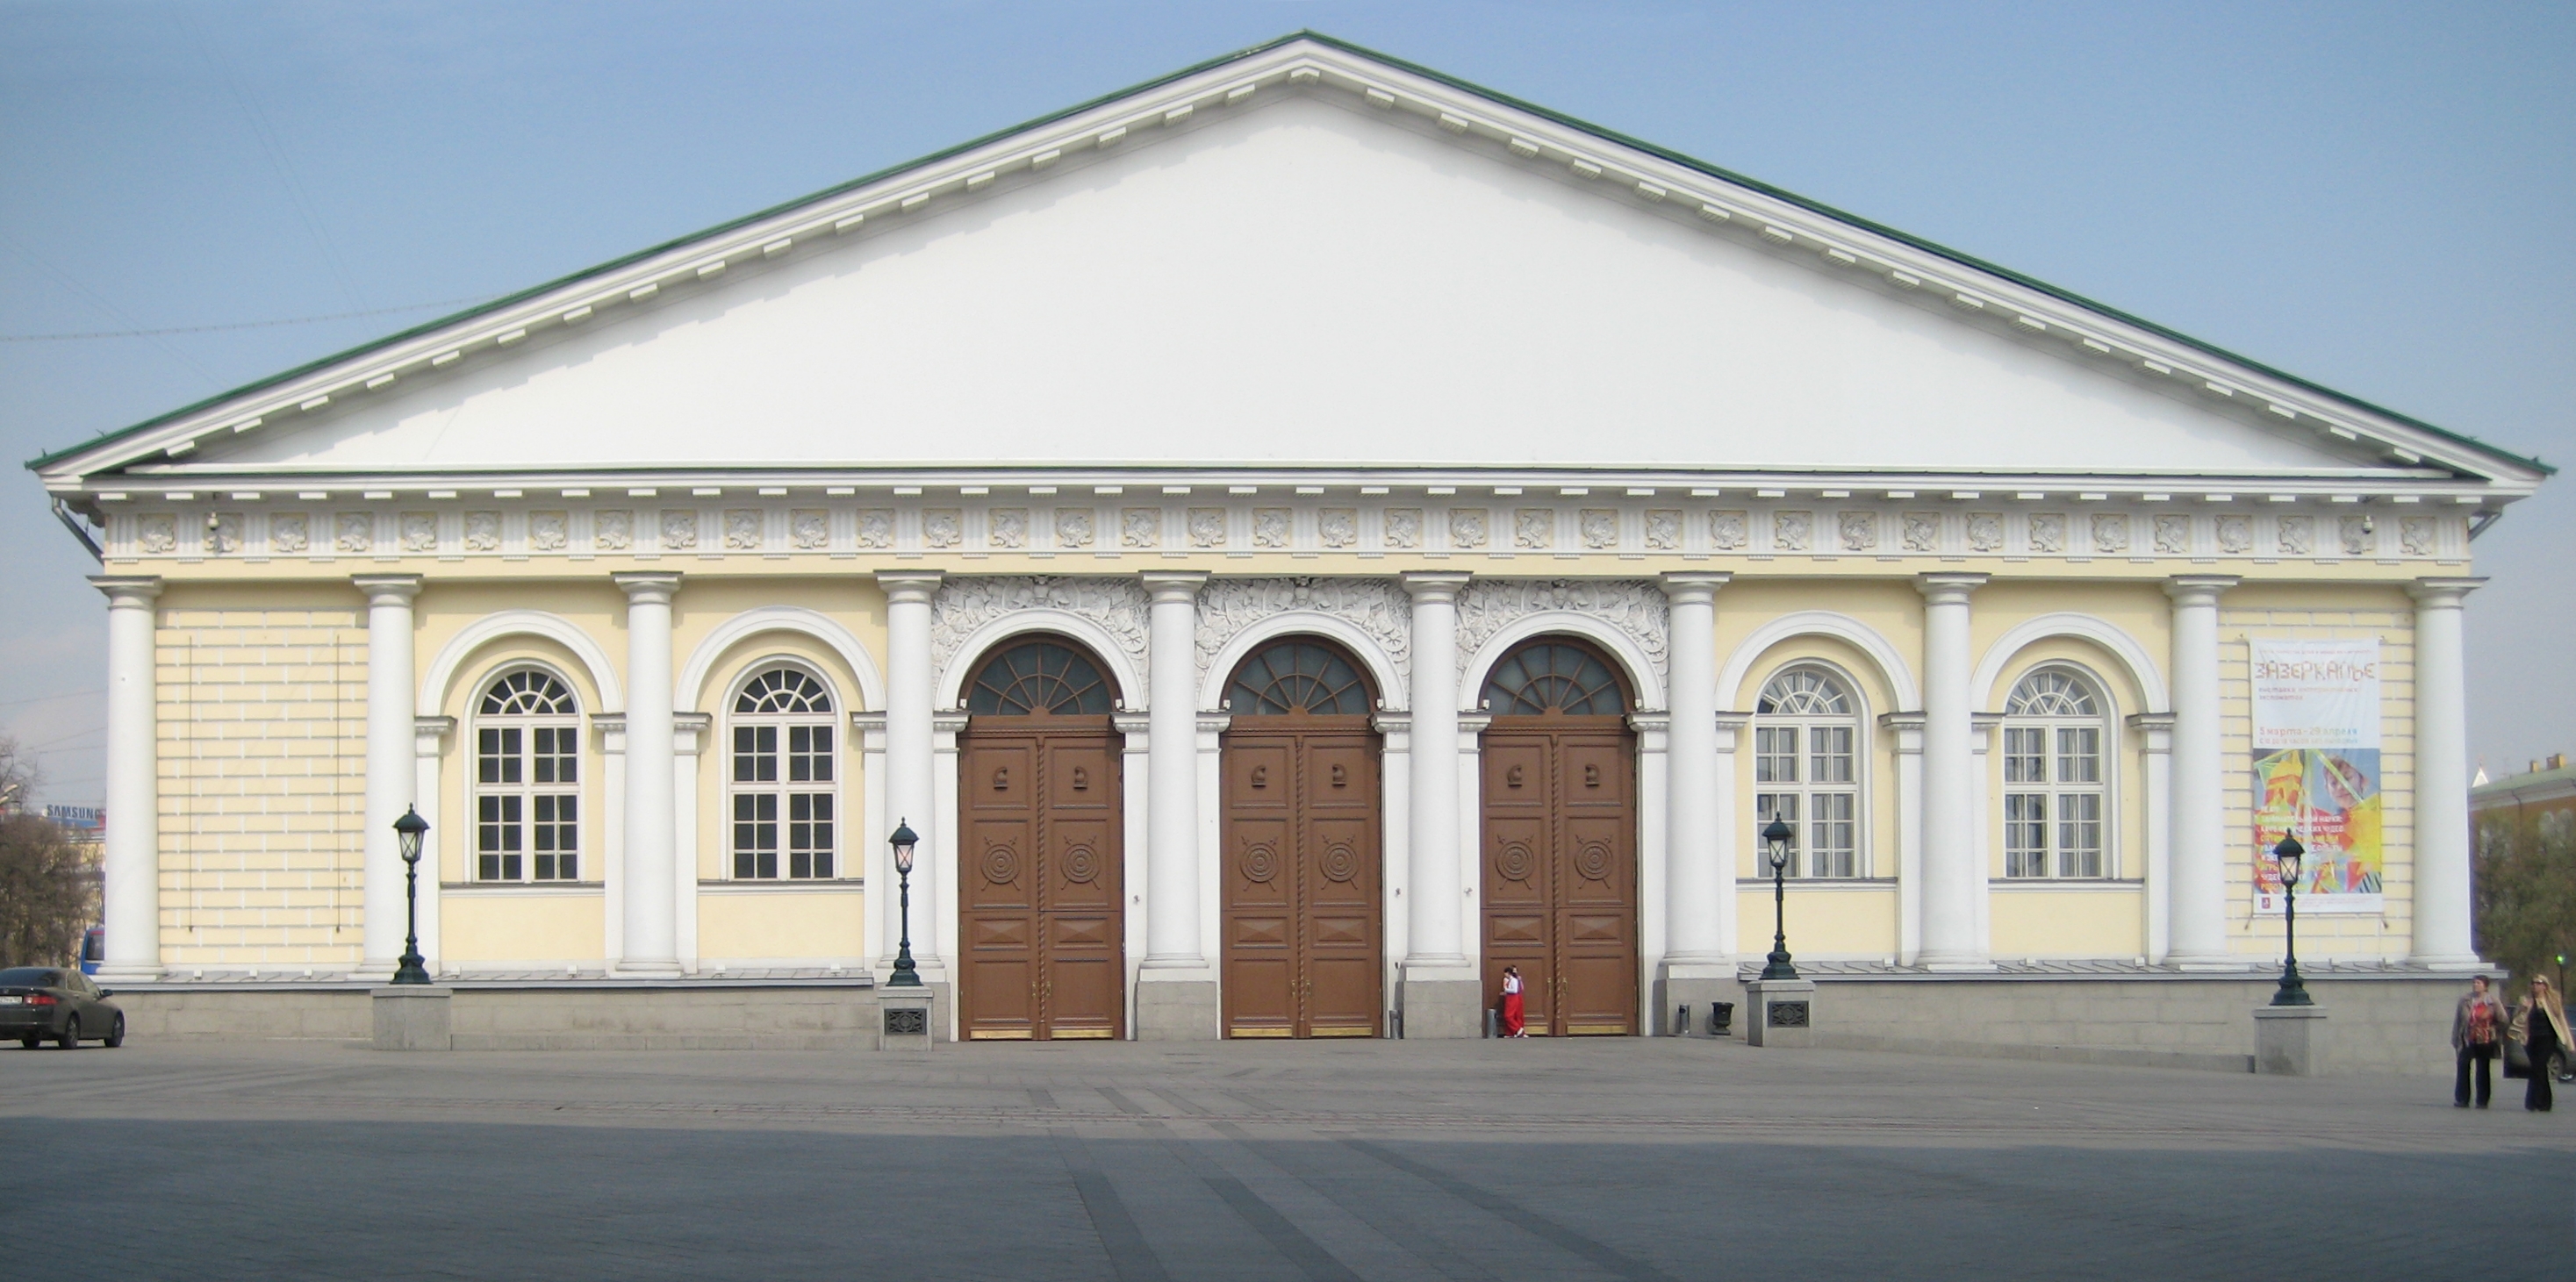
(2542, 1020)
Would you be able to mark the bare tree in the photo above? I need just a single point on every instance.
(18, 776)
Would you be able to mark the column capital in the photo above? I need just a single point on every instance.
(648, 587)
(1948, 588)
(1694, 586)
(388, 589)
(127, 589)
(1435, 586)
(909, 586)
(2199, 589)
(2432, 594)
(1168, 586)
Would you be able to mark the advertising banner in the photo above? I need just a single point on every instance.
(2316, 771)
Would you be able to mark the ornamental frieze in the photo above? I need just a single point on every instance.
(1377, 607)
(965, 603)
(1634, 606)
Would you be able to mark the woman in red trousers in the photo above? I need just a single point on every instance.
(1514, 1022)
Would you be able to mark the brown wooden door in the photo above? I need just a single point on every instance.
(1560, 870)
(1043, 878)
(1302, 930)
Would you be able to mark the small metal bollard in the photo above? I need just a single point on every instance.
(1681, 1021)
(1493, 1021)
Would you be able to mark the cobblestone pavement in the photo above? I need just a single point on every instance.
(1610, 1158)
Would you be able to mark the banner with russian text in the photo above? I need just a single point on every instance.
(2316, 771)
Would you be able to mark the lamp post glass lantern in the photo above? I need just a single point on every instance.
(411, 828)
(1775, 840)
(903, 840)
(2286, 859)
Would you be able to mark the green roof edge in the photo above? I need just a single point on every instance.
(1691, 162)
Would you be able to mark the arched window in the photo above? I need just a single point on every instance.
(527, 780)
(1551, 676)
(1039, 678)
(2053, 778)
(1297, 676)
(784, 783)
(1806, 751)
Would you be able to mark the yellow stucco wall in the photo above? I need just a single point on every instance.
(781, 924)
(538, 926)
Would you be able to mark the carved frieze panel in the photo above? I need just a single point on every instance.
(482, 531)
(966, 603)
(1377, 607)
(549, 531)
(1634, 606)
(287, 532)
(1402, 527)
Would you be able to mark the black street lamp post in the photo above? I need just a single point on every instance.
(1776, 838)
(411, 828)
(2286, 858)
(903, 840)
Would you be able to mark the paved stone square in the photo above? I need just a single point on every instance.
(1610, 1158)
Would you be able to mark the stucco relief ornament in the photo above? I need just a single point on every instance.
(1270, 527)
(2048, 532)
(159, 533)
(419, 531)
(1402, 527)
(1007, 527)
(1922, 531)
(679, 529)
(1636, 607)
(1338, 527)
(1986, 531)
(1790, 531)
(876, 528)
(942, 527)
(2173, 536)
(1599, 527)
(967, 603)
(1140, 527)
(1377, 607)
(810, 528)
(2297, 535)
(482, 531)
(2415, 534)
(287, 533)
(1466, 527)
(1859, 531)
(1663, 529)
(2235, 534)
(1207, 527)
(224, 533)
(1727, 530)
(1533, 527)
(2110, 533)
(549, 531)
(2356, 536)
(742, 530)
(1072, 527)
(612, 530)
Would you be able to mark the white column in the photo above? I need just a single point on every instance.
(651, 943)
(391, 766)
(2155, 734)
(866, 843)
(1135, 764)
(935, 924)
(1698, 893)
(1432, 922)
(1172, 777)
(2441, 776)
(2198, 908)
(910, 777)
(1907, 727)
(133, 873)
(691, 733)
(428, 748)
(1722, 777)
(1953, 874)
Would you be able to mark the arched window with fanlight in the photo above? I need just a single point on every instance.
(1553, 677)
(1297, 676)
(1040, 679)
(1806, 768)
(2054, 778)
(527, 780)
(784, 782)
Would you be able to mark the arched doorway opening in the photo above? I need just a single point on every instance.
(1560, 838)
(1303, 939)
(1039, 794)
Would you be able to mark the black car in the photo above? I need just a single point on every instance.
(43, 1003)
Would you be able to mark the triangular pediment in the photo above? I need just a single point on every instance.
(1301, 259)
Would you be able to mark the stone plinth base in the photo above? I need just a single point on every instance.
(2290, 1041)
(1696, 989)
(906, 1018)
(1780, 1013)
(1176, 1010)
(1442, 1008)
(412, 1017)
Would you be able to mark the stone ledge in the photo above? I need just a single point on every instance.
(2098, 1056)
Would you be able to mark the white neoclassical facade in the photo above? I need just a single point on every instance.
(1292, 539)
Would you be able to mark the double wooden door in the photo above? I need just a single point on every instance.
(1043, 879)
(1303, 944)
(1560, 871)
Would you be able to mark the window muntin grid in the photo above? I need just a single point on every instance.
(527, 780)
(1553, 677)
(2054, 781)
(782, 784)
(1297, 676)
(1806, 769)
(1039, 678)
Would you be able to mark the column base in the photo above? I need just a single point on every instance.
(645, 970)
(374, 970)
(1954, 964)
(1783, 1014)
(2209, 963)
(412, 1017)
(1441, 1008)
(2290, 1041)
(2464, 963)
(139, 973)
(1697, 986)
(1177, 1006)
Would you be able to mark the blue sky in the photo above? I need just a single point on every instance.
(2373, 196)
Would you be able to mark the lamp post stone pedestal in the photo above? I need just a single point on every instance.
(411, 1017)
(1781, 1014)
(2290, 1041)
(905, 1018)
